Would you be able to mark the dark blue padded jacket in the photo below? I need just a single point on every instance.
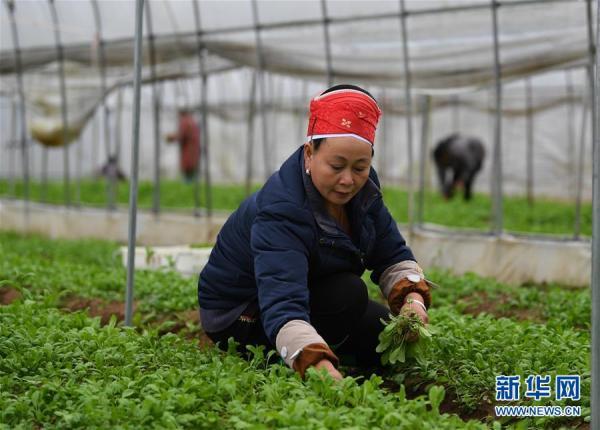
(282, 236)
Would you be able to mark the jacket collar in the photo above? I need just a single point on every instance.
(359, 204)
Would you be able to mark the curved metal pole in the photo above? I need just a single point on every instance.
(204, 143)
(328, 57)
(261, 88)
(111, 181)
(155, 112)
(497, 203)
(23, 122)
(135, 150)
(409, 130)
(529, 146)
(63, 101)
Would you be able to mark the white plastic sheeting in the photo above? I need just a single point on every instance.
(450, 54)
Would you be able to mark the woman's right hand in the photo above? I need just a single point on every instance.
(327, 365)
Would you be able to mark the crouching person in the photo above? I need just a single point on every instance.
(286, 268)
(458, 159)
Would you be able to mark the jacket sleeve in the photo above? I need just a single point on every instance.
(393, 263)
(390, 247)
(281, 237)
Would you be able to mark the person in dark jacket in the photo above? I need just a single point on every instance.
(286, 268)
(458, 159)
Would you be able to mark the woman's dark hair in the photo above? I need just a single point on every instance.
(348, 87)
(317, 142)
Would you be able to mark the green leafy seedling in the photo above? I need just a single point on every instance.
(393, 339)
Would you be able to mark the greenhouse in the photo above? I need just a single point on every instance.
(152, 156)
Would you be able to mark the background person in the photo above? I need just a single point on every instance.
(188, 136)
(286, 268)
(111, 170)
(458, 159)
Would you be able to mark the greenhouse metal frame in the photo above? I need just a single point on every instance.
(415, 209)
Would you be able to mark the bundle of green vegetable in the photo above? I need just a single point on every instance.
(394, 340)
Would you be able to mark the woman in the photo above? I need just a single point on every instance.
(286, 269)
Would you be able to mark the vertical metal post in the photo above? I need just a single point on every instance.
(10, 148)
(425, 116)
(383, 143)
(570, 130)
(94, 150)
(455, 113)
(63, 102)
(44, 188)
(111, 182)
(78, 163)
(580, 165)
(204, 142)
(302, 112)
(595, 364)
(250, 136)
(135, 149)
(118, 123)
(408, 98)
(261, 87)
(497, 203)
(591, 64)
(23, 118)
(155, 112)
(327, 38)
(529, 146)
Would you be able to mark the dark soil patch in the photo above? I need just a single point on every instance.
(499, 307)
(9, 295)
(179, 323)
(416, 386)
(167, 323)
(484, 412)
(97, 308)
(450, 405)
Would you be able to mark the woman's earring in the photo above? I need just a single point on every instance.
(308, 172)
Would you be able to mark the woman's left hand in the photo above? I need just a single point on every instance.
(410, 307)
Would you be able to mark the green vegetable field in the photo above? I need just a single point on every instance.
(66, 361)
(545, 216)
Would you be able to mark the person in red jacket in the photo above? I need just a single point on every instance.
(188, 136)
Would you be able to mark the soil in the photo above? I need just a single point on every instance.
(9, 295)
(484, 411)
(106, 309)
(182, 319)
(450, 405)
(497, 306)
(97, 308)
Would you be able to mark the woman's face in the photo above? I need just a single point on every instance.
(339, 168)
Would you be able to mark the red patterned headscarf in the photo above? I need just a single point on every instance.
(344, 112)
